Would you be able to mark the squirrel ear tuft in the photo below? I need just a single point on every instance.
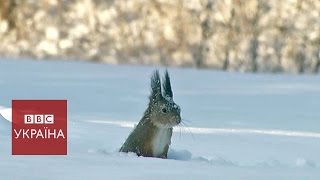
(167, 91)
(155, 86)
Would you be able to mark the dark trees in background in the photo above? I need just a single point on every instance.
(236, 35)
(8, 12)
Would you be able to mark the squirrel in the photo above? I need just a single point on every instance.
(152, 136)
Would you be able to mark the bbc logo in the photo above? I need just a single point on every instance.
(39, 127)
(39, 119)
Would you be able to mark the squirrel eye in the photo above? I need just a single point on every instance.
(164, 110)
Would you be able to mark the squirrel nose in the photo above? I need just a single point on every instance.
(178, 120)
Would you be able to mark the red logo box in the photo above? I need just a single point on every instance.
(39, 127)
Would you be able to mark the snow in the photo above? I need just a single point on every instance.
(6, 113)
(237, 126)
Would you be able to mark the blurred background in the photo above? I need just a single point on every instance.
(232, 35)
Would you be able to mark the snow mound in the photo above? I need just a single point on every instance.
(185, 155)
(6, 113)
(302, 162)
(5, 127)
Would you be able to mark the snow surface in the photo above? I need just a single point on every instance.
(238, 126)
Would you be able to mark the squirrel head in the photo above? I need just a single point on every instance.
(163, 111)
